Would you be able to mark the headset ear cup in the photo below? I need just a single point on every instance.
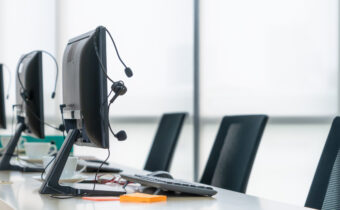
(122, 90)
(119, 88)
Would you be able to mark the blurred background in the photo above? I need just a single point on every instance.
(279, 58)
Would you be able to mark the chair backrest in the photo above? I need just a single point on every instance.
(233, 153)
(332, 197)
(165, 141)
(321, 182)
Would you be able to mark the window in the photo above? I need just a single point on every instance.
(273, 57)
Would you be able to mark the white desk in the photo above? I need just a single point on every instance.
(23, 194)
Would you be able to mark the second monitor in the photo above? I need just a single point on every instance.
(29, 95)
(86, 108)
(30, 108)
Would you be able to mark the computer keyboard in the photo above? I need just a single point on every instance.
(167, 184)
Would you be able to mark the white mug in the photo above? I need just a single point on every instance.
(36, 150)
(69, 168)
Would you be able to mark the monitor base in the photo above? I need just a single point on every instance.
(51, 184)
(8, 153)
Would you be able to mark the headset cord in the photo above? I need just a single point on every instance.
(114, 44)
(108, 150)
(106, 120)
(104, 70)
(44, 170)
(101, 165)
(108, 113)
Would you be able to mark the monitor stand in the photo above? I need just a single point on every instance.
(51, 183)
(10, 148)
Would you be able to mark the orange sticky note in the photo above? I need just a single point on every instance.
(101, 198)
(142, 197)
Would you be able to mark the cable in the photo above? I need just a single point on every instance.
(109, 94)
(107, 121)
(35, 116)
(103, 105)
(44, 170)
(114, 44)
(101, 165)
(43, 51)
(10, 79)
(108, 113)
(128, 71)
(103, 69)
(105, 100)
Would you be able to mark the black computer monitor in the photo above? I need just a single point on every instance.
(32, 110)
(86, 108)
(2, 100)
(85, 89)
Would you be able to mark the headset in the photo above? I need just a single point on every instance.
(117, 87)
(23, 92)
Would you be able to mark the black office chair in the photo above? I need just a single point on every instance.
(325, 189)
(232, 156)
(165, 141)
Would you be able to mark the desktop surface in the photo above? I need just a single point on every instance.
(23, 193)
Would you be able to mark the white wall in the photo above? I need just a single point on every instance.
(27, 26)
(273, 57)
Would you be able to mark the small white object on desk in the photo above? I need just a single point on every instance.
(37, 150)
